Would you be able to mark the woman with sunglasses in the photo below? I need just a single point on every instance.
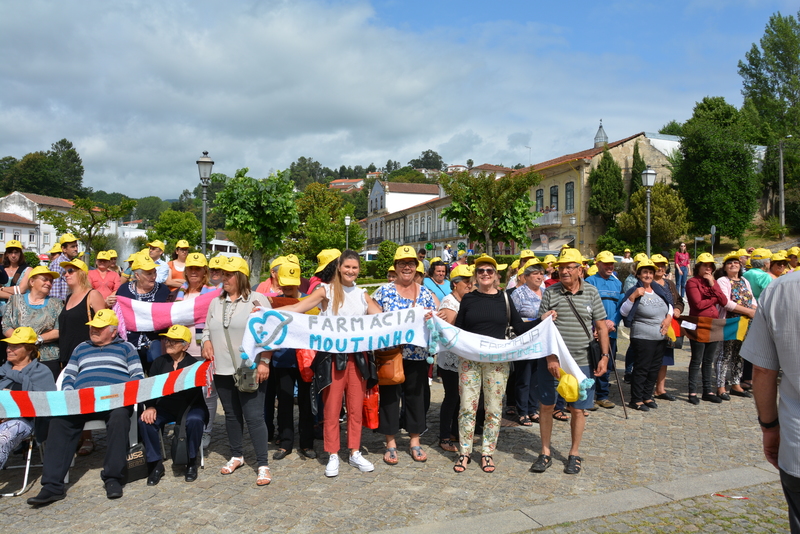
(681, 269)
(16, 270)
(485, 311)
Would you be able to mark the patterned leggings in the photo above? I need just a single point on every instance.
(473, 376)
(12, 433)
(728, 355)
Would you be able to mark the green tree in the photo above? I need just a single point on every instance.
(669, 216)
(408, 175)
(637, 167)
(6, 164)
(715, 174)
(305, 171)
(607, 198)
(429, 159)
(173, 226)
(87, 219)
(150, 208)
(34, 173)
(112, 199)
(490, 209)
(391, 166)
(771, 75)
(243, 240)
(68, 169)
(673, 127)
(264, 208)
(386, 251)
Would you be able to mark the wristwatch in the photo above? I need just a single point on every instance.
(605, 356)
(766, 426)
(39, 340)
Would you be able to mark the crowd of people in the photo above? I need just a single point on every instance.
(62, 326)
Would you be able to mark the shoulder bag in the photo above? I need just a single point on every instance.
(244, 378)
(180, 448)
(509, 333)
(389, 362)
(594, 346)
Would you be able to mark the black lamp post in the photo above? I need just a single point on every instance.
(204, 165)
(648, 181)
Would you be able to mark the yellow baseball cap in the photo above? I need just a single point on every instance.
(658, 258)
(461, 253)
(24, 335)
(705, 257)
(391, 269)
(143, 262)
(234, 264)
(485, 258)
(639, 257)
(549, 259)
(743, 252)
(526, 254)
(515, 264)
(405, 253)
(569, 255)
(626, 250)
(103, 255)
(55, 250)
(564, 246)
(41, 269)
(132, 257)
(289, 274)
(605, 256)
(182, 244)
(761, 254)
(78, 264)
(16, 244)
(112, 253)
(645, 263)
(277, 262)
(461, 270)
(178, 331)
(592, 271)
(326, 256)
(732, 256)
(215, 262)
(104, 318)
(778, 256)
(568, 387)
(530, 263)
(67, 238)
(435, 259)
(156, 244)
(794, 251)
(291, 258)
(420, 267)
(195, 259)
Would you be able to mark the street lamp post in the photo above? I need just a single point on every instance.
(347, 220)
(648, 181)
(204, 165)
(782, 210)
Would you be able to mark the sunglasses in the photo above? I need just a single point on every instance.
(484, 271)
(70, 271)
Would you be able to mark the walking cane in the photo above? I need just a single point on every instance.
(619, 386)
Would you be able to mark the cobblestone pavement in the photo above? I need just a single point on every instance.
(669, 444)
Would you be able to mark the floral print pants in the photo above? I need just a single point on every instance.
(728, 356)
(473, 376)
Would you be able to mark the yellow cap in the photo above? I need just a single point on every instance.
(132, 257)
(78, 264)
(277, 262)
(592, 271)
(326, 256)
(568, 387)
(16, 244)
(465, 271)
(461, 253)
(420, 267)
(291, 258)
(658, 258)
(626, 250)
(530, 263)
(391, 269)
(515, 264)
(21, 336)
(564, 246)
(55, 250)
(67, 238)
(794, 251)
(778, 256)
(104, 318)
(103, 255)
(761, 254)
(569, 255)
(195, 259)
(485, 258)
(732, 256)
(234, 264)
(215, 262)
(639, 257)
(112, 253)
(178, 331)
(526, 254)
(156, 244)
(143, 262)
(645, 263)
(705, 257)
(435, 259)
(41, 269)
(605, 256)
(405, 253)
(182, 244)
(549, 259)
(289, 274)
(743, 252)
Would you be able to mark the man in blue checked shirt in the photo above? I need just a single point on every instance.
(610, 289)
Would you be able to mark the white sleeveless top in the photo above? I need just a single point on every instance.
(355, 301)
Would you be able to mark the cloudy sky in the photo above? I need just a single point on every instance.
(142, 88)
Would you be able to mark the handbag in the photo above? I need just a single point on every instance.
(595, 352)
(389, 363)
(135, 464)
(180, 448)
(369, 416)
(244, 378)
(509, 333)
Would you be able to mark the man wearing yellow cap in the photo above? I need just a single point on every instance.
(792, 255)
(758, 274)
(102, 361)
(162, 267)
(69, 251)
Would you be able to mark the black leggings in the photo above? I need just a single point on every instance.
(413, 390)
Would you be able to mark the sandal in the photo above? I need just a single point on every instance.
(560, 415)
(418, 454)
(460, 466)
(534, 418)
(448, 445)
(390, 456)
(232, 465)
(525, 420)
(510, 413)
(86, 448)
(264, 476)
(487, 464)
(573, 465)
(541, 464)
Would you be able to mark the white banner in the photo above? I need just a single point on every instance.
(276, 329)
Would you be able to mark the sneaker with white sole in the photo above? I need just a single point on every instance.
(332, 469)
(363, 465)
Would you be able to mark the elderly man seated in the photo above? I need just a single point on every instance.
(170, 409)
(104, 360)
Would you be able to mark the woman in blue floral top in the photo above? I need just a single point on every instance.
(402, 294)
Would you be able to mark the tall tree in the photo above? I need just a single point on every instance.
(87, 219)
(264, 208)
(669, 216)
(68, 169)
(490, 209)
(429, 159)
(172, 226)
(34, 173)
(305, 171)
(607, 198)
(150, 208)
(6, 164)
(408, 175)
(673, 127)
(637, 166)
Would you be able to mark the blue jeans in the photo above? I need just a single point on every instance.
(681, 276)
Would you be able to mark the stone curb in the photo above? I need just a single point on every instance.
(628, 500)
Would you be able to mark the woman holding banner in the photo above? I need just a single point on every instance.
(402, 294)
(348, 373)
(487, 311)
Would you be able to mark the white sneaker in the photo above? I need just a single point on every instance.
(364, 465)
(332, 468)
(206, 440)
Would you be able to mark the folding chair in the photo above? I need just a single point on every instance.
(27, 466)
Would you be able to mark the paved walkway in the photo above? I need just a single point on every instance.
(654, 472)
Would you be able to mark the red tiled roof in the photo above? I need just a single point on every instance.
(421, 189)
(48, 201)
(137, 221)
(346, 181)
(590, 153)
(12, 218)
(491, 168)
